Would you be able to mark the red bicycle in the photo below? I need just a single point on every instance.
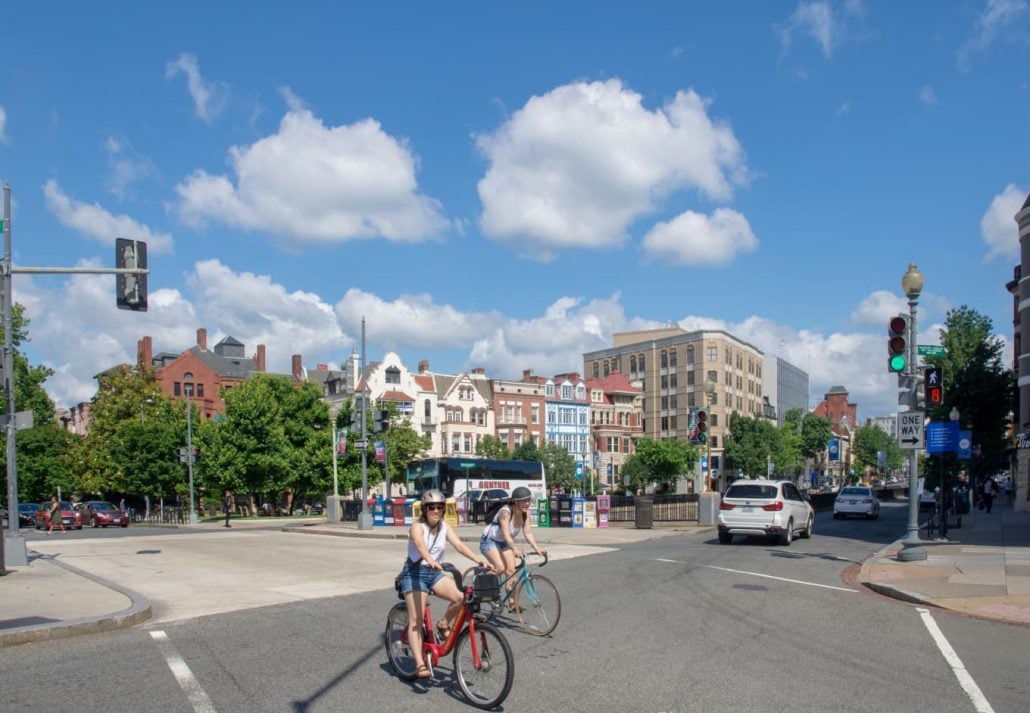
(484, 665)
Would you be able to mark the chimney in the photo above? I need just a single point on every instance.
(527, 374)
(259, 358)
(145, 353)
(423, 366)
(202, 339)
(479, 371)
(298, 369)
(323, 367)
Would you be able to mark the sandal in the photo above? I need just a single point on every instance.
(423, 672)
(443, 630)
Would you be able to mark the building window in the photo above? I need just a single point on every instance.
(713, 353)
(665, 381)
(665, 403)
(468, 443)
(607, 368)
(552, 417)
(690, 378)
(690, 400)
(632, 365)
(177, 389)
(664, 359)
(456, 443)
(715, 398)
(729, 357)
(200, 391)
(549, 389)
(715, 444)
(582, 418)
(672, 402)
(713, 376)
(535, 413)
(715, 420)
(566, 392)
(640, 363)
(672, 422)
(665, 423)
(596, 370)
(393, 375)
(672, 358)
(427, 410)
(690, 354)
(673, 381)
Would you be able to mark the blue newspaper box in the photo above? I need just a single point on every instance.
(378, 512)
(578, 504)
(388, 512)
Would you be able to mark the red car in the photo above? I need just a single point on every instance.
(69, 515)
(100, 513)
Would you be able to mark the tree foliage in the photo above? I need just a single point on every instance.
(870, 440)
(751, 444)
(659, 461)
(493, 447)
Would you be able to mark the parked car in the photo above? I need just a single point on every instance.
(487, 494)
(100, 513)
(69, 515)
(27, 514)
(770, 508)
(856, 500)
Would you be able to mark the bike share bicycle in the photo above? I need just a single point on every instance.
(533, 599)
(484, 665)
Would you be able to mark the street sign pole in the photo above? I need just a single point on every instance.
(912, 549)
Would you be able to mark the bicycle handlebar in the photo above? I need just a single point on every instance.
(544, 555)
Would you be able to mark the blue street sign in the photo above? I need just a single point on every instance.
(609, 469)
(942, 437)
(704, 464)
(579, 471)
(965, 445)
(597, 458)
(833, 445)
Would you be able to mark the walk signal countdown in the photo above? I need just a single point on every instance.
(933, 386)
(897, 343)
(702, 426)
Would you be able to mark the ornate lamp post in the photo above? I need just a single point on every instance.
(912, 549)
(709, 389)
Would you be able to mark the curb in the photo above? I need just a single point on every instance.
(138, 611)
(900, 593)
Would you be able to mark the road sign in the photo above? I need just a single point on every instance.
(361, 444)
(22, 420)
(965, 445)
(910, 430)
(942, 437)
(934, 350)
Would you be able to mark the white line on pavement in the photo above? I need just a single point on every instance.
(187, 681)
(958, 668)
(782, 579)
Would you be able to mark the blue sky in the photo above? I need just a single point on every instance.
(503, 185)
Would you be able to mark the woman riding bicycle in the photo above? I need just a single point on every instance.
(498, 539)
(424, 572)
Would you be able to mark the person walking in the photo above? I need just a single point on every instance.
(990, 489)
(1010, 490)
(55, 515)
(227, 507)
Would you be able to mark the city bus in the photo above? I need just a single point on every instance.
(456, 476)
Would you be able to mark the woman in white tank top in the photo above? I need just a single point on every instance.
(498, 539)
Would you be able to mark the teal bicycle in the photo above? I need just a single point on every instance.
(533, 600)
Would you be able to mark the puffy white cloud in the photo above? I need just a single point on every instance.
(814, 19)
(697, 239)
(877, 308)
(998, 225)
(310, 182)
(209, 98)
(99, 224)
(576, 166)
(997, 16)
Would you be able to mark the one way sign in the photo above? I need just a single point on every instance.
(910, 430)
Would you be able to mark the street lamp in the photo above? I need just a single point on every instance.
(146, 401)
(845, 427)
(912, 549)
(709, 389)
(187, 388)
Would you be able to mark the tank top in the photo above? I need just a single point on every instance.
(436, 544)
(493, 530)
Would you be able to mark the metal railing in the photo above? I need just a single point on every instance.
(675, 507)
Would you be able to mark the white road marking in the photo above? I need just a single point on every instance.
(958, 668)
(782, 579)
(187, 681)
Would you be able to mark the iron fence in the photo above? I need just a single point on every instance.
(676, 507)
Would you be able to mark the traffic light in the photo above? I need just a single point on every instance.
(933, 385)
(196, 454)
(702, 426)
(130, 290)
(382, 421)
(897, 343)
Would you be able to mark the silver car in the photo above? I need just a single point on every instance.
(770, 508)
(856, 500)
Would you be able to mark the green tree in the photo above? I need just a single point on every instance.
(28, 380)
(871, 440)
(403, 445)
(976, 383)
(493, 447)
(559, 467)
(42, 453)
(789, 459)
(750, 445)
(816, 432)
(660, 461)
(528, 451)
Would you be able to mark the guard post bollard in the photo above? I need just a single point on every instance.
(543, 513)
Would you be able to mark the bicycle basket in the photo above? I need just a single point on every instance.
(486, 586)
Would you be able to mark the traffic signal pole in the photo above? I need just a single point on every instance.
(912, 549)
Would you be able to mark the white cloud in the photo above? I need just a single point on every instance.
(927, 95)
(3, 125)
(209, 98)
(878, 308)
(998, 225)
(576, 166)
(99, 224)
(697, 239)
(815, 20)
(315, 183)
(997, 16)
(125, 166)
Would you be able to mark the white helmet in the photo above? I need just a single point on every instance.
(433, 496)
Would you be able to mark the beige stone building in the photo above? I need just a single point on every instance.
(671, 365)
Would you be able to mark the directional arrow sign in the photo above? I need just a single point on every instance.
(910, 430)
(361, 444)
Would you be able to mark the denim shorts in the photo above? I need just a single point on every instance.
(416, 578)
(487, 543)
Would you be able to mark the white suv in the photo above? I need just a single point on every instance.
(773, 508)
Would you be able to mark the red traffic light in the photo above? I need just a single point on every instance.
(935, 395)
(898, 325)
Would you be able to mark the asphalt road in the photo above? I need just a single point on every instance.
(676, 624)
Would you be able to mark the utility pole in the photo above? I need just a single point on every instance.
(365, 518)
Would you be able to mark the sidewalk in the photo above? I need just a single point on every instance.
(983, 571)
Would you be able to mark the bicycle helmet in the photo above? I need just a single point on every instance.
(521, 493)
(432, 496)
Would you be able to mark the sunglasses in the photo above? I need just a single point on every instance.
(434, 507)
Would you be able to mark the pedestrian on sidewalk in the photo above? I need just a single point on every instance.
(990, 488)
(55, 514)
(1010, 490)
(227, 507)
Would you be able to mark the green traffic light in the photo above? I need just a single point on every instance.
(897, 362)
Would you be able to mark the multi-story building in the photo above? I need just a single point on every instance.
(567, 414)
(1021, 476)
(887, 424)
(843, 417)
(672, 366)
(785, 385)
(465, 402)
(390, 382)
(615, 424)
(519, 410)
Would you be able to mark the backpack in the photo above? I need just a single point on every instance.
(493, 509)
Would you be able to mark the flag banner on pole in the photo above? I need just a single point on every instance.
(380, 452)
(341, 441)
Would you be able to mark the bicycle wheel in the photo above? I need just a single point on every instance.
(397, 649)
(487, 685)
(538, 604)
